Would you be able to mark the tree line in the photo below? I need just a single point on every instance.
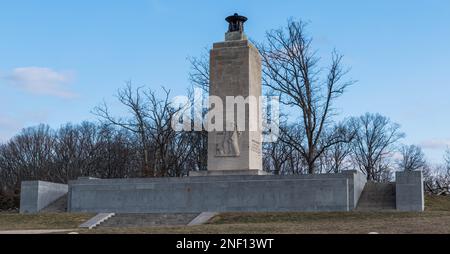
(143, 144)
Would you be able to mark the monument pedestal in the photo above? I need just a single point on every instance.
(218, 193)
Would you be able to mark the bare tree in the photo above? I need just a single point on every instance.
(27, 156)
(440, 181)
(374, 143)
(86, 149)
(278, 157)
(447, 160)
(164, 152)
(336, 158)
(199, 78)
(199, 71)
(412, 158)
(150, 121)
(291, 69)
(138, 106)
(437, 180)
(93, 150)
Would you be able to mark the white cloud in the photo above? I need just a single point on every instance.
(42, 81)
(435, 144)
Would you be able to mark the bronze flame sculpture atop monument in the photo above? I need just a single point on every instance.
(236, 23)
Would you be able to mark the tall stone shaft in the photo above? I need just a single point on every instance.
(235, 72)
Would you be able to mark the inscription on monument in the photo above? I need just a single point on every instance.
(256, 147)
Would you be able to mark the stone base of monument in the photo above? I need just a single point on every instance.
(218, 193)
(228, 172)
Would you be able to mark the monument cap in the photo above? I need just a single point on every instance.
(236, 23)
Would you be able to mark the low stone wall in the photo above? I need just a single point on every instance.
(359, 182)
(409, 191)
(36, 195)
(324, 192)
(356, 182)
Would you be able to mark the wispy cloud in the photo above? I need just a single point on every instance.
(42, 81)
(435, 144)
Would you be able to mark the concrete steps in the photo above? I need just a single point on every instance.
(149, 220)
(377, 196)
(97, 220)
(58, 206)
(202, 218)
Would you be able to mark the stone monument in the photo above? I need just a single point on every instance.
(235, 78)
(234, 180)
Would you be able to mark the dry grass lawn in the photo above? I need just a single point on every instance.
(306, 223)
(436, 219)
(15, 221)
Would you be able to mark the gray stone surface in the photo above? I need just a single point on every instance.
(409, 191)
(357, 181)
(58, 206)
(87, 178)
(327, 192)
(36, 195)
(149, 220)
(227, 172)
(377, 197)
(235, 70)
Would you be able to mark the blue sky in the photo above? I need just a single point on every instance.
(59, 59)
